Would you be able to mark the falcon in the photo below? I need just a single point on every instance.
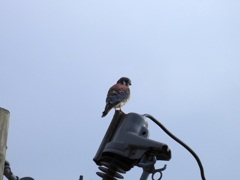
(117, 95)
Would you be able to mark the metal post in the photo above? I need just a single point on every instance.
(4, 122)
(145, 175)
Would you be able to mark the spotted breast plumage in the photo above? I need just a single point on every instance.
(117, 95)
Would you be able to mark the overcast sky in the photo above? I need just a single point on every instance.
(59, 58)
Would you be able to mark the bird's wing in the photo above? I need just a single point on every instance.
(117, 93)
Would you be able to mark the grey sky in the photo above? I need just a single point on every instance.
(59, 58)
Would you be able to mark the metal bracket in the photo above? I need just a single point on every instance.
(147, 163)
(159, 171)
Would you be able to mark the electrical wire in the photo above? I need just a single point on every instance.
(180, 142)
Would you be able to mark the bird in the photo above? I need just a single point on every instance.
(117, 95)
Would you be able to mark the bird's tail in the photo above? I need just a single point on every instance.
(108, 107)
(104, 113)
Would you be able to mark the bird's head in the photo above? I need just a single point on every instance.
(125, 81)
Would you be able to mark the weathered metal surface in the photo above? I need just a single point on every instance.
(4, 122)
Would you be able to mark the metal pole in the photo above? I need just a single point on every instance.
(145, 175)
(4, 122)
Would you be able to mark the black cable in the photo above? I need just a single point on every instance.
(180, 142)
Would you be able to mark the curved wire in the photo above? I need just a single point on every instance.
(180, 142)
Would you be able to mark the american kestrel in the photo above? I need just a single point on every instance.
(117, 95)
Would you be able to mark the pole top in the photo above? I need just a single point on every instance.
(5, 110)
